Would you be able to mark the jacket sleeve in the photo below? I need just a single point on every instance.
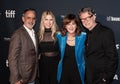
(13, 57)
(111, 55)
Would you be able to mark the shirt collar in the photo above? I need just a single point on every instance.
(28, 30)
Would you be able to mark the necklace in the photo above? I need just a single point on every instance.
(70, 39)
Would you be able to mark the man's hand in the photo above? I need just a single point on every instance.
(19, 82)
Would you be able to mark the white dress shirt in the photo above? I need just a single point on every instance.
(32, 35)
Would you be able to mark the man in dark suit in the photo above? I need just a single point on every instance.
(101, 55)
(23, 57)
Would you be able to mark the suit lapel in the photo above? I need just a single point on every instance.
(28, 37)
(63, 45)
(77, 41)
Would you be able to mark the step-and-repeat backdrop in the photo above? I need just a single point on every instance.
(108, 13)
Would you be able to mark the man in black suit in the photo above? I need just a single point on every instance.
(101, 54)
(23, 54)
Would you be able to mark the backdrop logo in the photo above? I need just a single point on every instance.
(10, 13)
(116, 77)
(111, 18)
(117, 46)
(62, 16)
(6, 39)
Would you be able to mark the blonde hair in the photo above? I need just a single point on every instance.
(54, 27)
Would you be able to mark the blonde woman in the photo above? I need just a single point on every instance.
(48, 48)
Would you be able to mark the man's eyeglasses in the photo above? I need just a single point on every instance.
(83, 19)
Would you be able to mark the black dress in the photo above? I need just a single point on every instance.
(70, 74)
(48, 64)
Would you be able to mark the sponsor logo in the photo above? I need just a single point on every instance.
(6, 63)
(10, 13)
(111, 18)
(62, 16)
(117, 46)
(6, 39)
(116, 77)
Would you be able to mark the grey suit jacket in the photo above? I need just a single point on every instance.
(23, 57)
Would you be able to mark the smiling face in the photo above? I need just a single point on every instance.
(29, 19)
(71, 27)
(48, 21)
(88, 20)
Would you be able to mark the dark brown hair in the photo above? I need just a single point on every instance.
(66, 20)
(87, 9)
(29, 9)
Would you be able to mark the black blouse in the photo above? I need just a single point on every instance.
(48, 44)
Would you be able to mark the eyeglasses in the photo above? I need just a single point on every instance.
(83, 19)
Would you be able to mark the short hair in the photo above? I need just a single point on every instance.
(88, 9)
(66, 20)
(28, 9)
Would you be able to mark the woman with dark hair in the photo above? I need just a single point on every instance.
(71, 67)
